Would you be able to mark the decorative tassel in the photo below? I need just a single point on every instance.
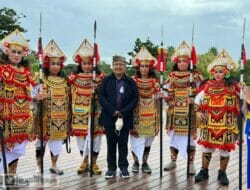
(243, 54)
(162, 56)
(194, 55)
(227, 147)
(97, 56)
(40, 47)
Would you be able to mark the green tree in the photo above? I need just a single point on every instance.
(9, 21)
(203, 61)
(246, 73)
(130, 71)
(105, 68)
(152, 48)
(69, 68)
(34, 63)
(213, 50)
(170, 64)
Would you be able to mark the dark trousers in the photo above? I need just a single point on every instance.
(112, 141)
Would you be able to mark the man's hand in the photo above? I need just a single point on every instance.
(39, 97)
(191, 100)
(200, 117)
(117, 113)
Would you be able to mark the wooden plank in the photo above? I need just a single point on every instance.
(175, 179)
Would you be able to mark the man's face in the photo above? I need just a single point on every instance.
(119, 68)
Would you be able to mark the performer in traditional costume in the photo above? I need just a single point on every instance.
(146, 114)
(178, 100)
(16, 118)
(218, 110)
(81, 83)
(55, 96)
(246, 108)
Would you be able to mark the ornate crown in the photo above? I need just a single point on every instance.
(53, 51)
(184, 50)
(85, 52)
(15, 40)
(223, 59)
(145, 57)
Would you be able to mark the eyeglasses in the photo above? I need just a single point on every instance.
(119, 64)
(55, 64)
(16, 52)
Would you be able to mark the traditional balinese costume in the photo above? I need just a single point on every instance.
(219, 104)
(55, 107)
(146, 113)
(247, 131)
(82, 85)
(178, 89)
(16, 118)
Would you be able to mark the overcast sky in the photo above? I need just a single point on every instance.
(119, 22)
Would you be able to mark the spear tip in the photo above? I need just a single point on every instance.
(40, 29)
(244, 27)
(95, 30)
(162, 33)
(193, 35)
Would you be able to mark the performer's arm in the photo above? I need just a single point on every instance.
(246, 93)
(197, 102)
(35, 95)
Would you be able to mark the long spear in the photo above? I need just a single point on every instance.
(3, 151)
(40, 105)
(242, 62)
(92, 126)
(161, 67)
(192, 62)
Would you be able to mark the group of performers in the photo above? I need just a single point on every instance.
(67, 107)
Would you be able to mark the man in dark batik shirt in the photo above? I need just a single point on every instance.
(118, 97)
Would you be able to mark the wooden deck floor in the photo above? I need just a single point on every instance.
(175, 179)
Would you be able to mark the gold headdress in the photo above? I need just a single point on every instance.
(223, 59)
(183, 51)
(53, 53)
(145, 57)
(85, 52)
(15, 40)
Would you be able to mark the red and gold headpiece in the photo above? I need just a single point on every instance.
(85, 53)
(15, 40)
(183, 51)
(222, 61)
(144, 57)
(52, 53)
